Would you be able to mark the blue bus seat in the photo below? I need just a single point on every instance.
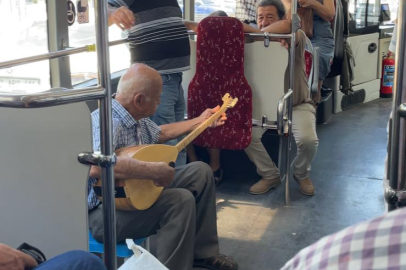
(121, 248)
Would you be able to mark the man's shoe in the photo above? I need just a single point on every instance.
(264, 185)
(219, 262)
(305, 186)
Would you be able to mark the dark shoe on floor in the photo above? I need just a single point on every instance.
(218, 175)
(219, 262)
(305, 186)
(265, 185)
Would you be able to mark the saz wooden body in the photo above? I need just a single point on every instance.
(142, 193)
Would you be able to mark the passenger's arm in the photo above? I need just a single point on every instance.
(191, 25)
(129, 168)
(11, 258)
(174, 130)
(300, 41)
(122, 17)
(279, 27)
(250, 29)
(325, 10)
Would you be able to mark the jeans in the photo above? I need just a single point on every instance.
(172, 107)
(73, 260)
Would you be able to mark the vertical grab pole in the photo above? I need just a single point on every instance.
(398, 132)
(290, 100)
(103, 60)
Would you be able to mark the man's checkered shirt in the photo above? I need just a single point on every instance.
(126, 132)
(246, 10)
(378, 244)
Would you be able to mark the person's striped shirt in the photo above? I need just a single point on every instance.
(159, 37)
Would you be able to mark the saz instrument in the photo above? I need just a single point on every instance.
(141, 194)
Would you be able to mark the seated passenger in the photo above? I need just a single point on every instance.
(377, 244)
(184, 216)
(12, 259)
(270, 18)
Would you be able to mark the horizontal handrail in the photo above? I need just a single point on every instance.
(52, 97)
(267, 125)
(260, 35)
(92, 48)
(52, 55)
(281, 106)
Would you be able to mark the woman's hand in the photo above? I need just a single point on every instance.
(307, 3)
(326, 10)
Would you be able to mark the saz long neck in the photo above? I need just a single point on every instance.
(196, 132)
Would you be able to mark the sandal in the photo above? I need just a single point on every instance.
(219, 262)
(218, 175)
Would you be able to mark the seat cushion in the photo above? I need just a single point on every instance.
(220, 70)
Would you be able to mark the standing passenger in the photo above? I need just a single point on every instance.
(158, 38)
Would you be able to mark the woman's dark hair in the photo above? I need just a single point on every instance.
(275, 3)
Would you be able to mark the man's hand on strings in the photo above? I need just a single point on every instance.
(209, 112)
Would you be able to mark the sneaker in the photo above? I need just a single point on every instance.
(305, 186)
(264, 185)
(219, 262)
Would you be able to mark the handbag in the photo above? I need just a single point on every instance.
(141, 260)
(34, 252)
(306, 20)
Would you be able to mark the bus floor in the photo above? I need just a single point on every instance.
(262, 234)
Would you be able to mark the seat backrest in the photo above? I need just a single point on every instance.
(265, 69)
(43, 194)
(220, 70)
(312, 65)
(309, 62)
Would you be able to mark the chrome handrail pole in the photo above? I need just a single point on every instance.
(398, 130)
(259, 35)
(292, 59)
(106, 135)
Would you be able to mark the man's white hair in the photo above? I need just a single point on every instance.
(139, 84)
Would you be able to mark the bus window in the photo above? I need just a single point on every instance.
(24, 33)
(84, 65)
(393, 7)
(203, 8)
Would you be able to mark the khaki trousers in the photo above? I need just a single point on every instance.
(304, 132)
(183, 218)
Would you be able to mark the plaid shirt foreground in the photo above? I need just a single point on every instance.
(126, 132)
(246, 10)
(377, 244)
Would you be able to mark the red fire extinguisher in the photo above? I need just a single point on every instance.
(388, 76)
